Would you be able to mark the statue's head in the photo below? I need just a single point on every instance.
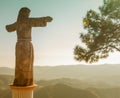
(24, 13)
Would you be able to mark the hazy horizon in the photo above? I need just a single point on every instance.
(105, 64)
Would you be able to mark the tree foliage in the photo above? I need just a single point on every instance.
(103, 33)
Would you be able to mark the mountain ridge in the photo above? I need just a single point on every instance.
(107, 72)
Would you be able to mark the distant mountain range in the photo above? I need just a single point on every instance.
(75, 81)
(109, 74)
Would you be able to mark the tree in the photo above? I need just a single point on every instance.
(103, 33)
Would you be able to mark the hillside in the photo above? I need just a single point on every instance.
(107, 92)
(62, 91)
(75, 83)
(5, 80)
(64, 88)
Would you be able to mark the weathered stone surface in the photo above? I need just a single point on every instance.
(24, 48)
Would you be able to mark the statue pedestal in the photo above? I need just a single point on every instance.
(22, 92)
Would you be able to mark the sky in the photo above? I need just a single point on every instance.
(55, 43)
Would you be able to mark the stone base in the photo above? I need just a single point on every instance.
(22, 92)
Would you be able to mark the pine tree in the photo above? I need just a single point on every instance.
(103, 33)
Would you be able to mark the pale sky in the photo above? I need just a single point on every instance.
(54, 44)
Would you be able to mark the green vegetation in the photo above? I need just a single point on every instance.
(103, 33)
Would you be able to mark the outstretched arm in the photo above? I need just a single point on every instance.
(40, 22)
(11, 27)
